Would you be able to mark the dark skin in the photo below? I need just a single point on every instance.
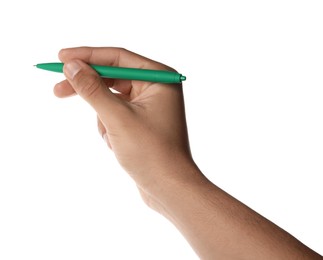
(144, 124)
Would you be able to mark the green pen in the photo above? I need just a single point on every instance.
(161, 76)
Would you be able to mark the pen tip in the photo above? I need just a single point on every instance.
(182, 78)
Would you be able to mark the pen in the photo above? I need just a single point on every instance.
(161, 76)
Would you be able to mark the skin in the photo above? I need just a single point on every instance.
(144, 124)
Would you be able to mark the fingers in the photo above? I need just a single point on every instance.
(64, 89)
(109, 56)
(90, 86)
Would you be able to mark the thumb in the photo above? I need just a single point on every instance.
(90, 86)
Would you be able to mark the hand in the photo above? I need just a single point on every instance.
(142, 122)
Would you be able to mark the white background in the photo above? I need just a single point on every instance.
(254, 109)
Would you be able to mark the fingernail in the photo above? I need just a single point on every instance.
(105, 138)
(71, 69)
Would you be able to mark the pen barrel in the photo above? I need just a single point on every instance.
(160, 76)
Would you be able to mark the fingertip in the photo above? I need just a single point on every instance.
(61, 54)
(72, 68)
(63, 89)
(58, 92)
(73, 52)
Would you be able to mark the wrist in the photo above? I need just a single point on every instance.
(172, 183)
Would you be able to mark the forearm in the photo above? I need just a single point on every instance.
(220, 227)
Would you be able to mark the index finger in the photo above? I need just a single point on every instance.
(110, 56)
